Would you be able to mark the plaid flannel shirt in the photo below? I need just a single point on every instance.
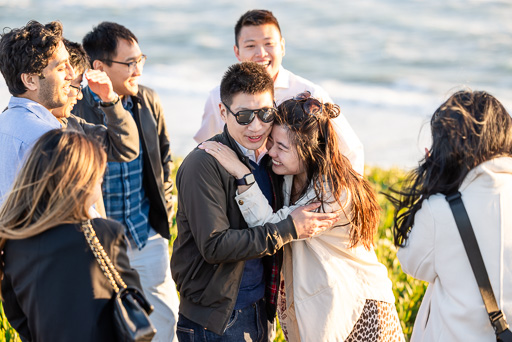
(123, 193)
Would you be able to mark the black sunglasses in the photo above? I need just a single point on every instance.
(311, 106)
(245, 117)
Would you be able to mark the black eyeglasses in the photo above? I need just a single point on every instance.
(311, 106)
(245, 117)
(78, 89)
(131, 65)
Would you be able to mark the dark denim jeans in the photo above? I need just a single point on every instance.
(247, 324)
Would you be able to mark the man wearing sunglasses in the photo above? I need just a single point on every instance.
(258, 39)
(138, 193)
(228, 273)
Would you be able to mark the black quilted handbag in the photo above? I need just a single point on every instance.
(131, 308)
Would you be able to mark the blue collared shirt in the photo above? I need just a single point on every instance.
(21, 125)
(123, 193)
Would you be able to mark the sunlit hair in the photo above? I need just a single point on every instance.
(468, 129)
(52, 187)
(328, 170)
(101, 43)
(27, 50)
(77, 57)
(255, 17)
(246, 77)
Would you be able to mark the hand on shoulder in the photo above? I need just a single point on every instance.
(226, 157)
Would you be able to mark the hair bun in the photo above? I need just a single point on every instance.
(332, 110)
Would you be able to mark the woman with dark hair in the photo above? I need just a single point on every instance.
(52, 286)
(334, 288)
(470, 153)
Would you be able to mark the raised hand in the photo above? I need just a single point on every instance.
(309, 223)
(226, 157)
(101, 85)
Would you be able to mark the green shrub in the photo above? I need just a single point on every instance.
(408, 291)
(7, 333)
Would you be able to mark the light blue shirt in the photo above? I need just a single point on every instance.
(21, 125)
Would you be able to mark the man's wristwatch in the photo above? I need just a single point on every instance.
(248, 179)
(110, 104)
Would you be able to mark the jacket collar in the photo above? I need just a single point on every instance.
(235, 147)
(242, 152)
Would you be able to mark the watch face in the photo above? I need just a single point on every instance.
(249, 179)
(246, 180)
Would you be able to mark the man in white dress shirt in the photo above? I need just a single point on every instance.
(258, 39)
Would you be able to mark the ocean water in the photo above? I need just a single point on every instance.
(388, 63)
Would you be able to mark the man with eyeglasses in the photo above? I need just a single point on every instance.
(258, 39)
(138, 193)
(119, 134)
(228, 273)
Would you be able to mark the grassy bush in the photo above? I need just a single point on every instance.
(408, 291)
(7, 333)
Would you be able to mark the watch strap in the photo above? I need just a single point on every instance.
(110, 104)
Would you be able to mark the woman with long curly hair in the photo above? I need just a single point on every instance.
(334, 288)
(470, 153)
(52, 286)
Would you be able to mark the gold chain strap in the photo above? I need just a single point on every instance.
(101, 256)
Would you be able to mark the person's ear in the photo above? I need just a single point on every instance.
(237, 52)
(223, 113)
(30, 81)
(283, 46)
(97, 65)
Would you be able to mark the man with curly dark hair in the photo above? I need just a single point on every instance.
(35, 66)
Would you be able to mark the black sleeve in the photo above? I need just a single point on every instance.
(119, 135)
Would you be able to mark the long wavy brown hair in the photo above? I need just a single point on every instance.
(327, 169)
(468, 129)
(52, 186)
